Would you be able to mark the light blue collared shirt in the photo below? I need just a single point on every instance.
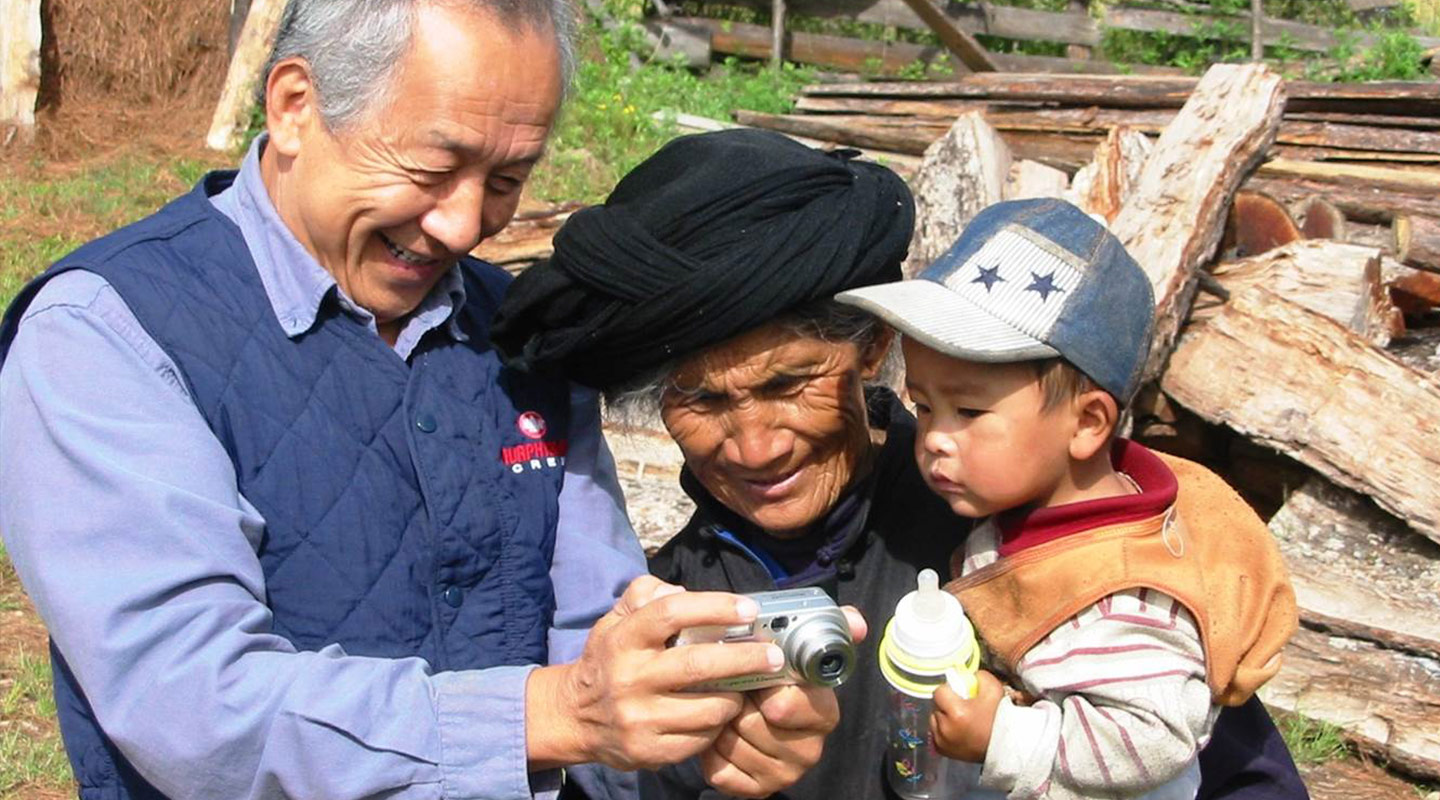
(121, 512)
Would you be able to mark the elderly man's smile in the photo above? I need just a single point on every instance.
(409, 260)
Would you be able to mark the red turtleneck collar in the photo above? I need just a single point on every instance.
(1025, 528)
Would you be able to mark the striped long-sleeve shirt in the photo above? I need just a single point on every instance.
(1122, 704)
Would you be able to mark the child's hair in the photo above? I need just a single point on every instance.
(1061, 381)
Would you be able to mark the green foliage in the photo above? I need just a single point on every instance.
(609, 123)
(1312, 741)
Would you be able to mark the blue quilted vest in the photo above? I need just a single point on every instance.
(410, 509)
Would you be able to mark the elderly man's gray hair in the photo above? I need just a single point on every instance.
(354, 46)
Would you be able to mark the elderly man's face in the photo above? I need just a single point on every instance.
(388, 204)
(773, 424)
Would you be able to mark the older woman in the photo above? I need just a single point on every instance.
(702, 290)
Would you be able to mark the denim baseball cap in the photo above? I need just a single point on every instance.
(1029, 279)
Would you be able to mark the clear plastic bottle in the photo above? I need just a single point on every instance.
(928, 642)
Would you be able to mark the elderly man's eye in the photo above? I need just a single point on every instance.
(505, 184)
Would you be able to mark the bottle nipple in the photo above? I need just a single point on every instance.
(929, 600)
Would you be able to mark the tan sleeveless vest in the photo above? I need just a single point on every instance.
(1210, 552)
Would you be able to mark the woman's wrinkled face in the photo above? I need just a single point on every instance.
(773, 423)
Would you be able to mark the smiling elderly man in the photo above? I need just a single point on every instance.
(253, 465)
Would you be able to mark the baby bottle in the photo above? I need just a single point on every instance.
(928, 642)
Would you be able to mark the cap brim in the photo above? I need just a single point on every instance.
(946, 322)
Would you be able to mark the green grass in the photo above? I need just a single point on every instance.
(44, 215)
(32, 757)
(1312, 741)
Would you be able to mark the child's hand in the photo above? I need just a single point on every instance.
(962, 727)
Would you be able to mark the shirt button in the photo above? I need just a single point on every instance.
(453, 596)
(426, 423)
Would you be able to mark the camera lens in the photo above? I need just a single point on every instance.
(820, 650)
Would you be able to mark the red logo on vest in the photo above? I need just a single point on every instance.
(531, 425)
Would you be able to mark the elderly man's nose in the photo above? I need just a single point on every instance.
(455, 219)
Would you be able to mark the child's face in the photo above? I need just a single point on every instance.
(984, 443)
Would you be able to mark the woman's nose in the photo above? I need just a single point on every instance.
(755, 441)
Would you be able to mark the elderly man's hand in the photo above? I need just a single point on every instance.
(624, 702)
(777, 736)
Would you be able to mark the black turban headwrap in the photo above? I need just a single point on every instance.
(714, 235)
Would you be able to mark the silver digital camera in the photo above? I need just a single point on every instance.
(807, 626)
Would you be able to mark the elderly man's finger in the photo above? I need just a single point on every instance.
(651, 618)
(640, 592)
(686, 666)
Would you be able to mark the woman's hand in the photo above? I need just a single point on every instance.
(778, 735)
(624, 702)
(961, 727)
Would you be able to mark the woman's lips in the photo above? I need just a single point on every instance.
(772, 489)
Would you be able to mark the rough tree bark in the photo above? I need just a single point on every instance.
(1301, 383)
(1386, 701)
(237, 98)
(19, 69)
(1341, 281)
(1173, 221)
(1105, 184)
(961, 173)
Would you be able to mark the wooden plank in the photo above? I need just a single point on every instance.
(1387, 702)
(1173, 221)
(1078, 27)
(1367, 204)
(1419, 180)
(1300, 383)
(904, 165)
(958, 42)
(1368, 142)
(869, 57)
(1391, 98)
(232, 113)
(19, 69)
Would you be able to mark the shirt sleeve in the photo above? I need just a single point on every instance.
(1124, 707)
(596, 551)
(123, 517)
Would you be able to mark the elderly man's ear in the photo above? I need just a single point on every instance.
(1096, 415)
(290, 105)
(872, 358)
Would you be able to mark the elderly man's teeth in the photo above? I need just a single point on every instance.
(404, 255)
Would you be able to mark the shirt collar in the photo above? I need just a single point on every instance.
(294, 281)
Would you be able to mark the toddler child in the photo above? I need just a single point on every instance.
(1128, 595)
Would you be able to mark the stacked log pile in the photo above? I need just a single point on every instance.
(1281, 320)
(1373, 150)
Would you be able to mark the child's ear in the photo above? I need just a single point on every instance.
(1096, 415)
(873, 356)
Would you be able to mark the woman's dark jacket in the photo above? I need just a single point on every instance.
(884, 532)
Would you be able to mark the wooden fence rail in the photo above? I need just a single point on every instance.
(1079, 26)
